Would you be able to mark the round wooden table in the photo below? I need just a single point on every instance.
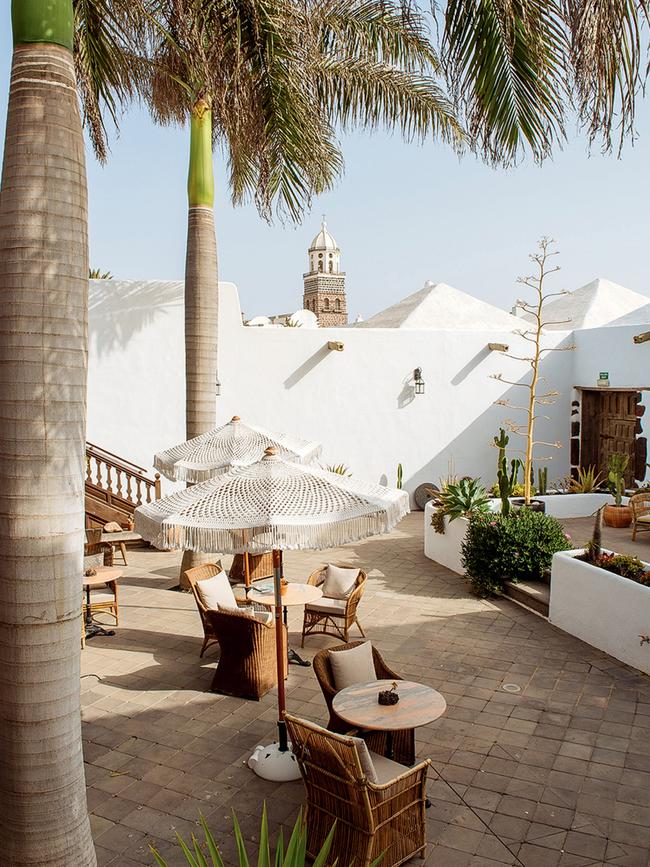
(418, 705)
(294, 594)
(105, 575)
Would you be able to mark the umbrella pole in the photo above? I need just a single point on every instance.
(280, 651)
(247, 567)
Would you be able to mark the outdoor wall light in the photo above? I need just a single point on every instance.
(642, 338)
(498, 347)
(217, 387)
(418, 381)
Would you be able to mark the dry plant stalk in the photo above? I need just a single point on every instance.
(533, 335)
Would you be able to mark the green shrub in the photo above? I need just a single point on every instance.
(514, 547)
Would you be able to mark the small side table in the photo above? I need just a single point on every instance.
(105, 575)
(294, 594)
(418, 705)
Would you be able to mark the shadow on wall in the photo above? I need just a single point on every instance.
(119, 309)
(476, 439)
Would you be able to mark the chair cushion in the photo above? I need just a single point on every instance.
(339, 581)
(367, 765)
(355, 665)
(216, 592)
(328, 606)
(262, 616)
(643, 519)
(100, 596)
(385, 769)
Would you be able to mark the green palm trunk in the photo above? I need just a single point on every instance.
(43, 337)
(201, 293)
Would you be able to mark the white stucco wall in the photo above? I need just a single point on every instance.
(359, 403)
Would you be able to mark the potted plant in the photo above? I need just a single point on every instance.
(446, 520)
(617, 514)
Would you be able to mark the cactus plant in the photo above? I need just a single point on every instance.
(542, 480)
(399, 476)
(506, 481)
(616, 476)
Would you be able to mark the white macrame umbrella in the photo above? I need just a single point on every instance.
(272, 504)
(233, 444)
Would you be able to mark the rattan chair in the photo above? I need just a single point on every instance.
(403, 740)
(373, 819)
(200, 573)
(103, 599)
(333, 616)
(247, 663)
(640, 505)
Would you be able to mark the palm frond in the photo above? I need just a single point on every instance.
(506, 62)
(609, 56)
(107, 70)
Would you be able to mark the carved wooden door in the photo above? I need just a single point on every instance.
(608, 426)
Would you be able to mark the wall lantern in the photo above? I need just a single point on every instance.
(217, 387)
(642, 338)
(418, 381)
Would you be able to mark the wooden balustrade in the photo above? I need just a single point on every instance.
(115, 487)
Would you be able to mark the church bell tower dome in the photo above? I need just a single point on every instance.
(324, 283)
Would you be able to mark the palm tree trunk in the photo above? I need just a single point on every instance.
(43, 330)
(201, 293)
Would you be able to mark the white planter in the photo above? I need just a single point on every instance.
(603, 609)
(444, 548)
(570, 505)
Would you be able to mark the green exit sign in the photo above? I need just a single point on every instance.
(604, 374)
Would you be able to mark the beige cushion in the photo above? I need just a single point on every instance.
(643, 519)
(100, 596)
(339, 581)
(385, 769)
(355, 665)
(112, 527)
(367, 765)
(328, 606)
(262, 616)
(216, 592)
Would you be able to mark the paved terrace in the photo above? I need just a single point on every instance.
(557, 774)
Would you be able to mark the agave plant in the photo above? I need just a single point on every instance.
(587, 481)
(295, 855)
(463, 498)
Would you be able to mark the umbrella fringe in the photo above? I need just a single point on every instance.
(284, 537)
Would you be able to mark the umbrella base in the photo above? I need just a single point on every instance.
(272, 763)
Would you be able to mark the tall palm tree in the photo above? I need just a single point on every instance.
(269, 81)
(44, 287)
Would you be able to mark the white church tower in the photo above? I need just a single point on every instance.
(324, 283)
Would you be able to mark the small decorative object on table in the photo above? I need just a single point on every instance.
(90, 572)
(389, 696)
(283, 586)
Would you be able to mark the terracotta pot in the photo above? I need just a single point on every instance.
(617, 516)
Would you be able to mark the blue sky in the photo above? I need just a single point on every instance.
(402, 214)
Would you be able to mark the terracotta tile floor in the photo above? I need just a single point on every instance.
(556, 774)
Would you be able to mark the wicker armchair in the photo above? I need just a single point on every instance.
(640, 505)
(403, 740)
(386, 818)
(333, 616)
(200, 573)
(247, 662)
(104, 598)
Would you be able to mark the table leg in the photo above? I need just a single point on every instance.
(93, 629)
(389, 745)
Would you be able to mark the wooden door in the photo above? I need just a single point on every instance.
(608, 426)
